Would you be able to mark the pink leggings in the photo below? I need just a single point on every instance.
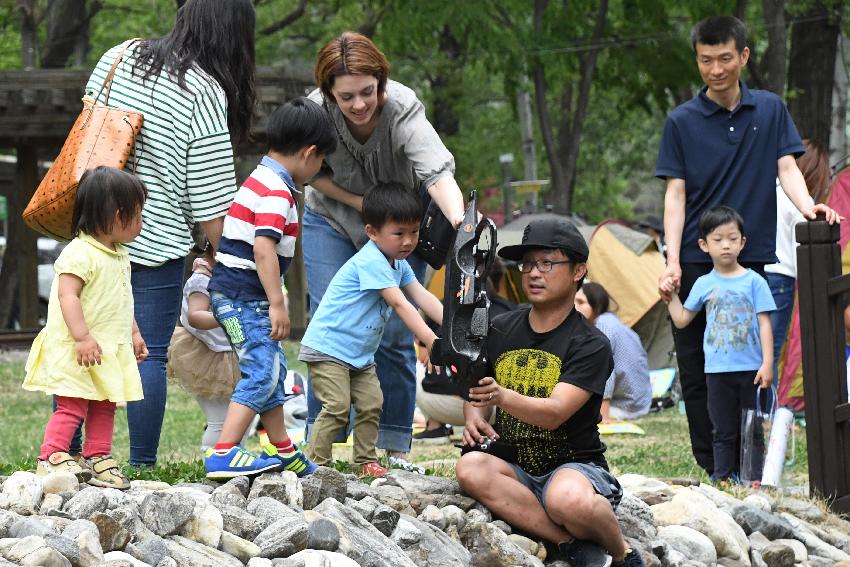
(99, 417)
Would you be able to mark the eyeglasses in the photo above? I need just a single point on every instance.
(542, 266)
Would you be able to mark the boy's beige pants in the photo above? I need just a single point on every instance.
(337, 388)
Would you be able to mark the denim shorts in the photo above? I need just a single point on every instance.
(603, 481)
(261, 358)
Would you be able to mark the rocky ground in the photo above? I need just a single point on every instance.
(402, 520)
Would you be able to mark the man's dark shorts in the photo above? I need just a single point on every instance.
(603, 481)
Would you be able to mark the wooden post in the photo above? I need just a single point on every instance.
(821, 291)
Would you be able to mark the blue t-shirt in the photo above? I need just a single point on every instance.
(731, 341)
(729, 158)
(350, 320)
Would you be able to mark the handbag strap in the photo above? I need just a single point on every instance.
(107, 83)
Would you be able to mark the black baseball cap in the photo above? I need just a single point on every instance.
(550, 233)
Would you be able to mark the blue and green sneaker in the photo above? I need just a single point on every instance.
(296, 461)
(237, 462)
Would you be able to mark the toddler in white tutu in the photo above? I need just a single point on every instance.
(200, 358)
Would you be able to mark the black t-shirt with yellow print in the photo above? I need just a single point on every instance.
(532, 364)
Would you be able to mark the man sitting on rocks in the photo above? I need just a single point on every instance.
(546, 472)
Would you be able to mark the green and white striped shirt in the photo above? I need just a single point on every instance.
(186, 157)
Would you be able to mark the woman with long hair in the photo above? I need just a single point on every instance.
(384, 138)
(628, 392)
(782, 276)
(195, 89)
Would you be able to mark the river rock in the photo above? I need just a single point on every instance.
(151, 551)
(283, 537)
(240, 522)
(692, 509)
(59, 482)
(268, 510)
(113, 535)
(650, 490)
(332, 484)
(23, 491)
(314, 558)
(205, 525)
(322, 534)
(636, 518)
(691, 543)
(165, 512)
(488, 545)
(755, 520)
(188, 553)
(359, 538)
(776, 554)
(241, 549)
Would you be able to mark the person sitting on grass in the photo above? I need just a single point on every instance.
(547, 372)
(628, 392)
(738, 340)
(341, 340)
(88, 353)
(257, 245)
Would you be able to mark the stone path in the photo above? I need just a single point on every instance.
(402, 520)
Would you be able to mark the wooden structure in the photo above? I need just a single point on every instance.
(822, 290)
(38, 107)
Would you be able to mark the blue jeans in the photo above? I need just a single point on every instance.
(261, 358)
(782, 289)
(325, 251)
(157, 293)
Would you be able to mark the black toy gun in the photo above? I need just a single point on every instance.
(461, 349)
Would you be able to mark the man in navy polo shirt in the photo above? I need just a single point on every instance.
(726, 146)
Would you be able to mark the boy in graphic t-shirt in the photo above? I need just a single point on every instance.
(342, 337)
(738, 340)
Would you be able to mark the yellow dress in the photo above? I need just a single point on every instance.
(107, 302)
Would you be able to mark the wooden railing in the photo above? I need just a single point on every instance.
(822, 291)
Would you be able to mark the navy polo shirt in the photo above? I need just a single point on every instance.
(729, 158)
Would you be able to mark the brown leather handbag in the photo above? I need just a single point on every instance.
(100, 136)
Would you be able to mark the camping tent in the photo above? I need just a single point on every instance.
(625, 262)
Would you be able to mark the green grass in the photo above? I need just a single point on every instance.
(663, 452)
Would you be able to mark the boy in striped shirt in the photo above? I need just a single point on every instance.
(257, 245)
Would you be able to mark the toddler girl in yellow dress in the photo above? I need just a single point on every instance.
(88, 353)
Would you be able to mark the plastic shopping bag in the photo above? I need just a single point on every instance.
(755, 430)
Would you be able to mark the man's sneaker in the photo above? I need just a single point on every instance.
(373, 469)
(437, 436)
(237, 462)
(106, 473)
(404, 464)
(62, 461)
(583, 553)
(296, 461)
(632, 559)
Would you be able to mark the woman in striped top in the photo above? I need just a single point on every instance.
(195, 89)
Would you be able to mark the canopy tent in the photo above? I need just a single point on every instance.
(625, 262)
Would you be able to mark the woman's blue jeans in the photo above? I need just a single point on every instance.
(157, 293)
(782, 289)
(325, 251)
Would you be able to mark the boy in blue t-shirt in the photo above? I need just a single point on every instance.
(256, 247)
(738, 340)
(342, 337)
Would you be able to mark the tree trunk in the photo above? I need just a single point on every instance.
(570, 151)
(444, 84)
(774, 63)
(811, 71)
(26, 180)
(65, 21)
(29, 34)
(558, 181)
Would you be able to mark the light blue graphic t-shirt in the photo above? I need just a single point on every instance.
(350, 319)
(731, 342)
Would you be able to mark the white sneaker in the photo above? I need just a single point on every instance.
(404, 464)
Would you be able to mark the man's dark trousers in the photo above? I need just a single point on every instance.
(691, 359)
